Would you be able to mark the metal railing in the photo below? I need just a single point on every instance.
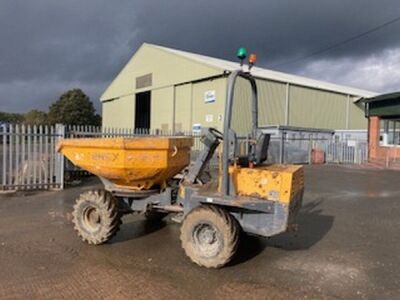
(346, 152)
(28, 158)
(300, 150)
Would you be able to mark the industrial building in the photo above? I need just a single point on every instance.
(383, 113)
(174, 91)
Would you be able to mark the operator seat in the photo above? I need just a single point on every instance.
(261, 148)
(257, 151)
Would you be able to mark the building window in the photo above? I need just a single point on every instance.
(391, 133)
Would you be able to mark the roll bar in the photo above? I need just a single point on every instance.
(228, 120)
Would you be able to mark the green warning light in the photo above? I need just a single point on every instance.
(241, 53)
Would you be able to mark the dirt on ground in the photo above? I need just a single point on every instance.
(347, 247)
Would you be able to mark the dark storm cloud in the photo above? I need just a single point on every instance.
(49, 46)
(276, 29)
(64, 40)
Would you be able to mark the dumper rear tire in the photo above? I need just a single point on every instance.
(96, 217)
(210, 236)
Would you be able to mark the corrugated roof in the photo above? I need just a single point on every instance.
(227, 65)
(383, 97)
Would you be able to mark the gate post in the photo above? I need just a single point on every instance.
(3, 129)
(356, 159)
(59, 167)
(282, 148)
(310, 148)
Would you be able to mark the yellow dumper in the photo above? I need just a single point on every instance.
(131, 163)
(151, 175)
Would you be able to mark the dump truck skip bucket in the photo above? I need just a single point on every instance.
(135, 163)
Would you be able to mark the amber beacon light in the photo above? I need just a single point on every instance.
(252, 60)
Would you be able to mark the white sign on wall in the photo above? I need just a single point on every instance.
(351, 143)
(209, 118)
(209, 96)
(196, 128)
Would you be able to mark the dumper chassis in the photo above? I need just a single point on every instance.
(245, 196)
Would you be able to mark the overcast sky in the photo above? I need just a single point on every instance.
(48, 46)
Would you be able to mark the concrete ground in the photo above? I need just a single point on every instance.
(347, 247)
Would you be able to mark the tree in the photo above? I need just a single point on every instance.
(35, 117)
(73, 108)
(11, 117)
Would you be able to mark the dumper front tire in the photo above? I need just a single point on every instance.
(96, 217)
(210, 236)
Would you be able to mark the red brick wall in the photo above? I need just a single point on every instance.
(375, 151)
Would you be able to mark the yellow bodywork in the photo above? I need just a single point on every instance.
(134, 163)
(276, 182)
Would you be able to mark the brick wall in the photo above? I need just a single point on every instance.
(377, 152)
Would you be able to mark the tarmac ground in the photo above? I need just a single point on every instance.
(347, 247)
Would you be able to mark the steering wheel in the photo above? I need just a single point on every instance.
(218, 134)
